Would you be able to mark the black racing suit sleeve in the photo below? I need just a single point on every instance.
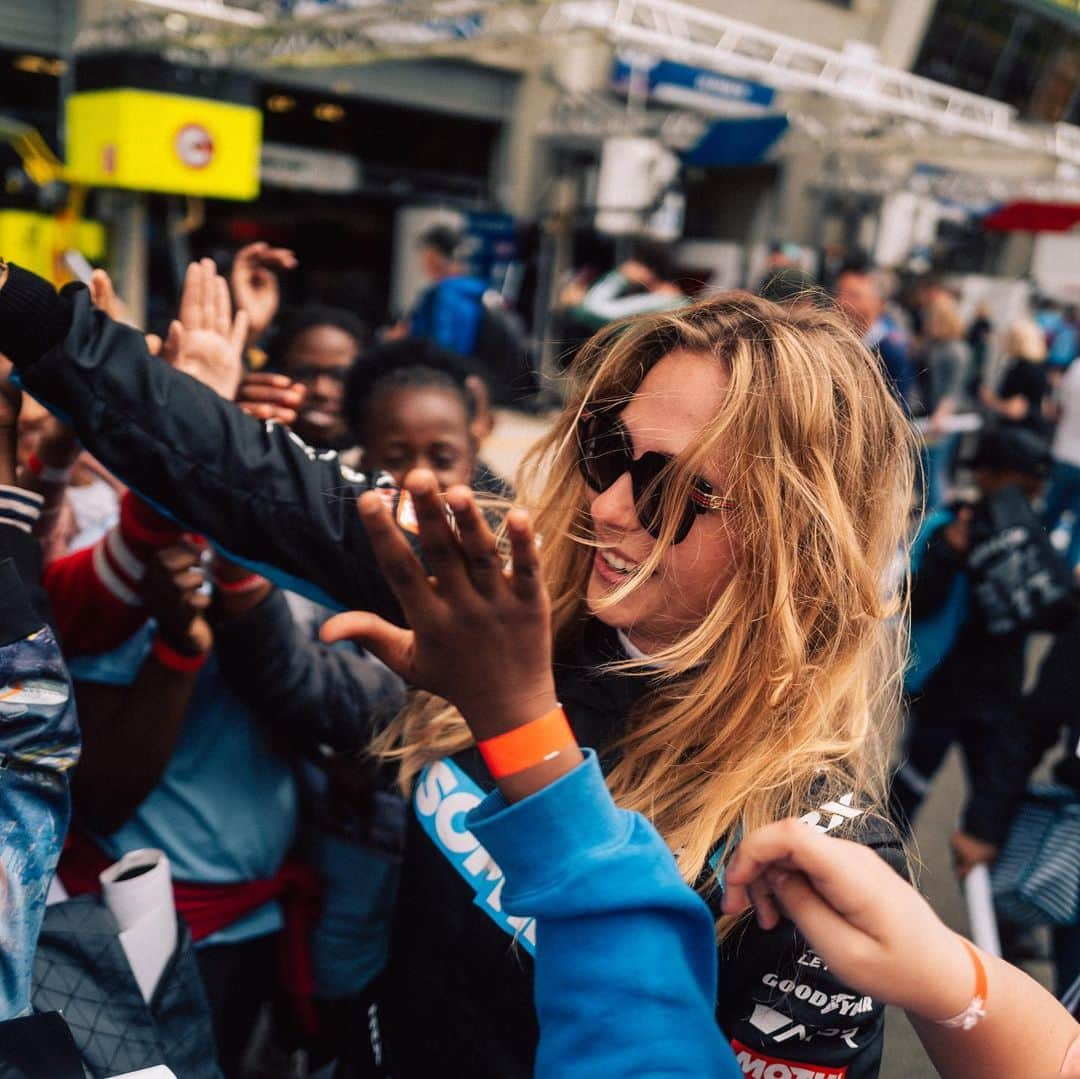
(316, 693)
(781, 1006)
(252, 488)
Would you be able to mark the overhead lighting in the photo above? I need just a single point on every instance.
(39, 65)
(329, 113)
(280, 103)
(176, 22)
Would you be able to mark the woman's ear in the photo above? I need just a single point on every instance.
(483, 421)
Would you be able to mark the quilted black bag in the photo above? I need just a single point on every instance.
(80, 969)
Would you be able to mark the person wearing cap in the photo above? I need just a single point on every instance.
(964, 682)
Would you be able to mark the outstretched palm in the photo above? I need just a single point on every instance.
(206, 342)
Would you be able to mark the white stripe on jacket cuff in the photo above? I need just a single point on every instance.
(19, 508)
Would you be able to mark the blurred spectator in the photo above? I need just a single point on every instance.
(1065, 343)
(789, 285)
(860, 296)
(643, 283)
(947, 361)
(315, 347)
(979, 335)
(1023, 387)
(1063, 496)
(965, 678)
(462, 313)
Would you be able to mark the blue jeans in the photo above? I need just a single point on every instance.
(1063, 496)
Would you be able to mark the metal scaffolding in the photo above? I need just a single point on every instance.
(259, 35)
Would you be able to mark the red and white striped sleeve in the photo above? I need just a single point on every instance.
(96, 593)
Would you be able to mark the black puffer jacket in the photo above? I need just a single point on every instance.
(461, 985)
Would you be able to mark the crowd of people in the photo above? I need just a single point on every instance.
(591, 772)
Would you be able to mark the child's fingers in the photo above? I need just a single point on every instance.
(401, 568)
(441, 548)
(477, 541)
(525, 560)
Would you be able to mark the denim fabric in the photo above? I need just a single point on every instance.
(39, 744)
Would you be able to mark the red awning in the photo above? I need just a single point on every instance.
(1033, 217)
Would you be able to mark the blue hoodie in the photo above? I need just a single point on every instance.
(625, 956)
(450, 312)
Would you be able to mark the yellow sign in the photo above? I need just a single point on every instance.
(35, 242)
(149, 141)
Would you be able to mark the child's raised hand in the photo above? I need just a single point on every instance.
(873, 930)
(479, 633)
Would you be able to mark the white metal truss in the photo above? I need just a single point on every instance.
(308, 33)
(695, 35)
(271, 33)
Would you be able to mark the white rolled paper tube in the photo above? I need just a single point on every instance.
(147, 885)
(158, 1072)
(980, 905)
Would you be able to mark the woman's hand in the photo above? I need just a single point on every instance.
(480, 633)
(875, 931)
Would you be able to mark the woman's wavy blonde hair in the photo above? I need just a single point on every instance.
(785, 695)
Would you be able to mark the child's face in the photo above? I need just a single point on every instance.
(424, 427)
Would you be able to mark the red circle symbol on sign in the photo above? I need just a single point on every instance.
(194, 146)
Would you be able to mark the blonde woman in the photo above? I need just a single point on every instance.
(719, 505)
(1023, 387)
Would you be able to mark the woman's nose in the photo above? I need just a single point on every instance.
(614, 509)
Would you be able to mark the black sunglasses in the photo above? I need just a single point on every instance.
(605, 454)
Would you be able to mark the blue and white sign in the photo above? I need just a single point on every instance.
(668, 80)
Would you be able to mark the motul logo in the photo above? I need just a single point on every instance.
(763, 1067)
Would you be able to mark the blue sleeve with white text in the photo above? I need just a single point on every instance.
(625, 950)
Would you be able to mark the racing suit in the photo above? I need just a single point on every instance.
(460, 968)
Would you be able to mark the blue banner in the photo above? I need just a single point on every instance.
(711, 86)
(444, 795)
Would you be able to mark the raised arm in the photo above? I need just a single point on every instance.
(315, 693)
(253, 488)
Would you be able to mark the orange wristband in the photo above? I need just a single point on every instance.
(976, 1008)
(540, 740)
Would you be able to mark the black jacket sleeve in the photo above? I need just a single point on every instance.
(253, 488)
(317, 694)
